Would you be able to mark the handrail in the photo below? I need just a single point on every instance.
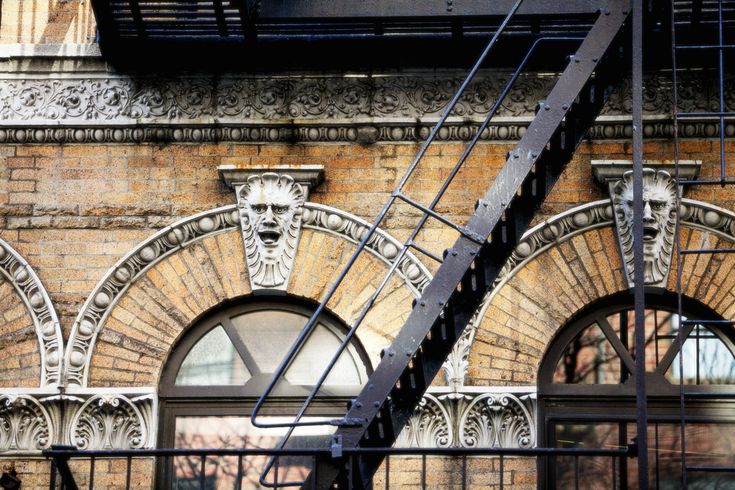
(363, 243)
(307, 329)
(68, 452)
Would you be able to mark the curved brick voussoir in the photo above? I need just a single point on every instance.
(572, 260)
(30, 336)
(136, 314)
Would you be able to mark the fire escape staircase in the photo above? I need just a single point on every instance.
(468, 270)
(381, 410)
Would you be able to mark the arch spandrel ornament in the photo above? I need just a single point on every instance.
(550, 249)
(40, 310)
(212, 230)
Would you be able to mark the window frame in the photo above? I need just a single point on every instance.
(616, 403)
(184, 400)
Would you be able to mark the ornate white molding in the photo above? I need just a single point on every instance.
(25, 425)
(270, 207)
(109, 421)
(429, 426)
(659, 221)
(100, 418)
(115, 282)
(473, 417)
(119, 418)
(499, 420)
(307, 176)
(381, 244)
(97, 107)
(38, 304)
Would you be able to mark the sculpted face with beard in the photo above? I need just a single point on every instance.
(270, 208)
(658, 222)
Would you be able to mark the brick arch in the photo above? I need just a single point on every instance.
(561, 268)
(30, 336)
(129, 324)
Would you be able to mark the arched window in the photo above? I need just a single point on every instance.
(587, 392)
(221, 365)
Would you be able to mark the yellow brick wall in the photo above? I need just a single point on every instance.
(154, 311)
(73, 210)
(20, 362)
(47, 22)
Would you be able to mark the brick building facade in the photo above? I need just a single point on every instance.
(120, 231)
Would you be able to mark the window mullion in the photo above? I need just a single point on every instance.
(616, 343)
(674, 348)
(240, 347)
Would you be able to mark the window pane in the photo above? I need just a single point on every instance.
(237, 432)
(706, 445)
(594, 472)
(589, 359)
(707, 360)
(660, 327)
(268, 335)
(212, 361)
(314, 357)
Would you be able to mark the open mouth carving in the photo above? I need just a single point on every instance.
(269, 237)
(650, 233)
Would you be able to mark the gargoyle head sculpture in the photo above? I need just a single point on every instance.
(659, 196)
(270, 210)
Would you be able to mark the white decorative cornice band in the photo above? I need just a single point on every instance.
(118, 418)
(182, 233)
(90, 419)
(40, 309)
(74, 107)
(502, 417)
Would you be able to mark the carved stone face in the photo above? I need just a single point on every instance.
(270, 208)
(659, 193)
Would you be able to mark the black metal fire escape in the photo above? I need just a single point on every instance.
(469, 268)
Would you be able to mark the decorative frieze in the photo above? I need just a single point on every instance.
(109, 421)
(473, 417)
(499, 420)
(38, 304)
(25, 425)
(107, 418)
(90, 419)
(107, 108)
(431, 425)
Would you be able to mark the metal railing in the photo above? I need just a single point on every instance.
(459, 475)
(427, 212)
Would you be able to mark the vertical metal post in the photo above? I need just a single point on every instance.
(502, 472)
(677, 243)
(639, 292)
(91, 473)
(387, 472)
(128, 468)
